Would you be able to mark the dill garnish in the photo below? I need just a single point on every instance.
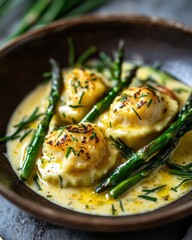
(121, 206)
(136, 113)
(74, 139)
(113, 209)
(69, 149)
(122, 147)
(148, 191)
(94, 135)
(185, 172)
(143, 95)
(149, 103)
(25, 135)
(60, 181)
(61, 130)
(75, 106)
(22, 125)
(36, 182)
(153, 199)
(81, 97)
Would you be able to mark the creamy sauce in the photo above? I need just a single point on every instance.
(84, 199)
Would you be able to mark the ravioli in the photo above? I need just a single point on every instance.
(82, 89)
(77, 154)
(138, 115)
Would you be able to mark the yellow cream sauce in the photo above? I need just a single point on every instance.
(84, 199)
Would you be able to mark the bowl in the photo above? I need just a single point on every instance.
(22, 63)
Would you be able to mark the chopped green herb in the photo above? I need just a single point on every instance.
(74, 121)
(149, 103)
(136, 113)
(181, 183)
(76, 106)
(94, 135)
(68, 152)
(36, 182)
(22, 125)
(75, 88)
(61, 131)
(74, 139)
(148, 191)
(121, 206)
(180, 170)
(122, 147)
(124, 97)
(81, 97)
(25, 135)
(79, 152)
(49, 196)
(113, 209)
(143, 95)
(184, 172)
(153, 199)
(60, 181)
(69, 149)
(30, 119)
(173, 189)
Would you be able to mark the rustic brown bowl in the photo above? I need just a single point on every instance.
(22, 63)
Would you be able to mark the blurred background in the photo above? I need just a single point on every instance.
(19, 16)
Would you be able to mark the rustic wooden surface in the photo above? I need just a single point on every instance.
(18, 225)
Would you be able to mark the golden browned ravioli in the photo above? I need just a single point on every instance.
(82, 89)
(77, 154)
(138, 114)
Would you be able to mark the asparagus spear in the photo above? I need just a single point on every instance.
(89, 52)
(102, 105)
(31, 17)
(3, 5)
(7, 6)
(69, 6)
(155, 162)
(117, 64)
(85, 7)
(176, 129)
(39, 135)
(52, 12)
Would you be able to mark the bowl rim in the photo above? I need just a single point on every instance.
(84, 221)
